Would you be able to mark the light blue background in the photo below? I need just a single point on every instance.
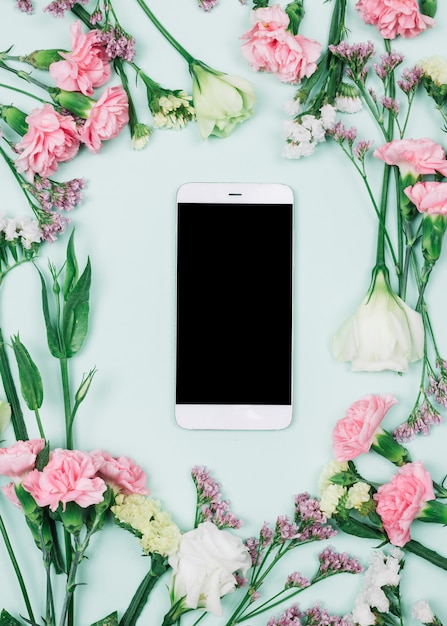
(126, 225)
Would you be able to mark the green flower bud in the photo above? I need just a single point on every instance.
(428, 7)
(42, 59)
(72, 518)
(31, 509)
(434, 512)
(433, 229)
(295, 11)
(385, 445)
(73, 101)
(84, 386)
(407, 208)
(30, 379)
(15, 118)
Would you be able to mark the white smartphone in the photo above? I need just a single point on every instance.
(234, 306)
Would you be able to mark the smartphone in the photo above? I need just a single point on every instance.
(234, 306)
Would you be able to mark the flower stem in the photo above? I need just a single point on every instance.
(180, 49)
(17, 571)
(159, 566)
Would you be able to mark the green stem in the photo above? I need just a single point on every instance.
(159, 566)
(26, 93)
(17, 571)
(25, 76)
(17, 420)
(429, 555)
(180, 49)
(67, 402)
(381, 237)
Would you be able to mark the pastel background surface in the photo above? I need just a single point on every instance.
(126, 224)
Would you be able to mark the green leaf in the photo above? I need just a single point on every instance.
(110, 620)
(71, 268)
(29, 375)
(354, 527)
(52, 336)
(76, 312)
(8, 620)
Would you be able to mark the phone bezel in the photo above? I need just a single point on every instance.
(235, 416)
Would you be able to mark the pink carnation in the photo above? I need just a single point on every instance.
(9, 491)
(121, 473)
(354, 433)
(51, 139)
(394, 17)
(86, 66)
(429, 197)
(69, 476)
(20, 458)
(401, 500)
(270, 47)
(414, 156)
(106, 118)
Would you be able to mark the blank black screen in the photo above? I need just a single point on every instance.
(234, 304)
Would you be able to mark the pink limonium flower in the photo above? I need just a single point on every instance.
(394, 18)
(51, 139)
(86, 66)
(414, 156)
(361, 428)
(270, 47)
(403, 499)
(106, 118)
(69, 476)
(121, 473)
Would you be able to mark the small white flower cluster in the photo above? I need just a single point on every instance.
(303, 136)
(435, 67)
(421, 610)
(22, 229)
(175, 111)
(383, 571)
(331, 493)
(158, 533)
(347, 104)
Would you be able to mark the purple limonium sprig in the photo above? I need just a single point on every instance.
(210, 505)
(410, 79)
(290, 617)
(391, 104)
(117, 43)
(438, 383)
(389, 62)
(317, 616)
(307, 524)
(207, 5)
(419, 422)
(58, 8)
(296, 579)
(313, 616)
(26, 6)
(356, 56)
(332, 562)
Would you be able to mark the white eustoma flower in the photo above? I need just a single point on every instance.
(383, 334)
(204, 566)
(221, 101)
